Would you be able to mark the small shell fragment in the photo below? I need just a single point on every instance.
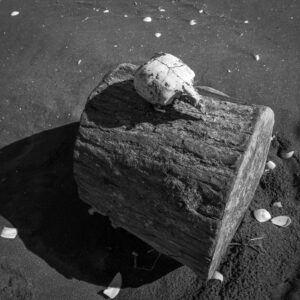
(256, 57)
(277, 204)
(212, 90)
(271, 165)
(9, 232)
(106, 11)
(217, 275)
(14, 13)
(286, 155)
(262, 215)
(282, 221)
(161, 9)
(157, 34)
(193, 22)
(147, 19)
(114, 287)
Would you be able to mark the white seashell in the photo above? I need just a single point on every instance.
(286, 155)
(125, 16)
(9, 233)
(147, 19)
(163, 78)
(158, 34)
(246, 21)
(277, 204)
(114, 287)
(262, 215)
(271, 165)
(161, 9)
(217, 275)
(14, 13)
(106, 11)
(282, 221)
(193, 22)
(257, 57)
(79, 62)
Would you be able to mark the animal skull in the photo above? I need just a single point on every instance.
(163, 78)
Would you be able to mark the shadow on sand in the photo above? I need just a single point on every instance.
(39, 196)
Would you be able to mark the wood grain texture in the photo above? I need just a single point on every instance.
(179, 180)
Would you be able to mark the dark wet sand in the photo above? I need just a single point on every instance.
(60, 252)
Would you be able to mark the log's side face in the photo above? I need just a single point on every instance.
(243, 189)
(168, 178)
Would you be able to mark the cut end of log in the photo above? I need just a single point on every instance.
(248, 176)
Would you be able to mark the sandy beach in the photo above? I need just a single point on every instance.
(52, 54)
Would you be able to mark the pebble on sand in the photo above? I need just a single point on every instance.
(14, 13)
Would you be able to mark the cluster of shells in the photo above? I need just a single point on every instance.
(262, 215)
(283, 154)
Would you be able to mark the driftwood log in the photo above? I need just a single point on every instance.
(180, 180)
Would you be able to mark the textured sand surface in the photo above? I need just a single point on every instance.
(52, 55)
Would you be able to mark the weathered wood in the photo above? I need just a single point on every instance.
(179, 180)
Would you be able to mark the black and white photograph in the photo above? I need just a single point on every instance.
(149, 150)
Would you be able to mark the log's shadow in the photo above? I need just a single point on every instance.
(39, 197)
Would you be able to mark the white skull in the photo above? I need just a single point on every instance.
(163, 78)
